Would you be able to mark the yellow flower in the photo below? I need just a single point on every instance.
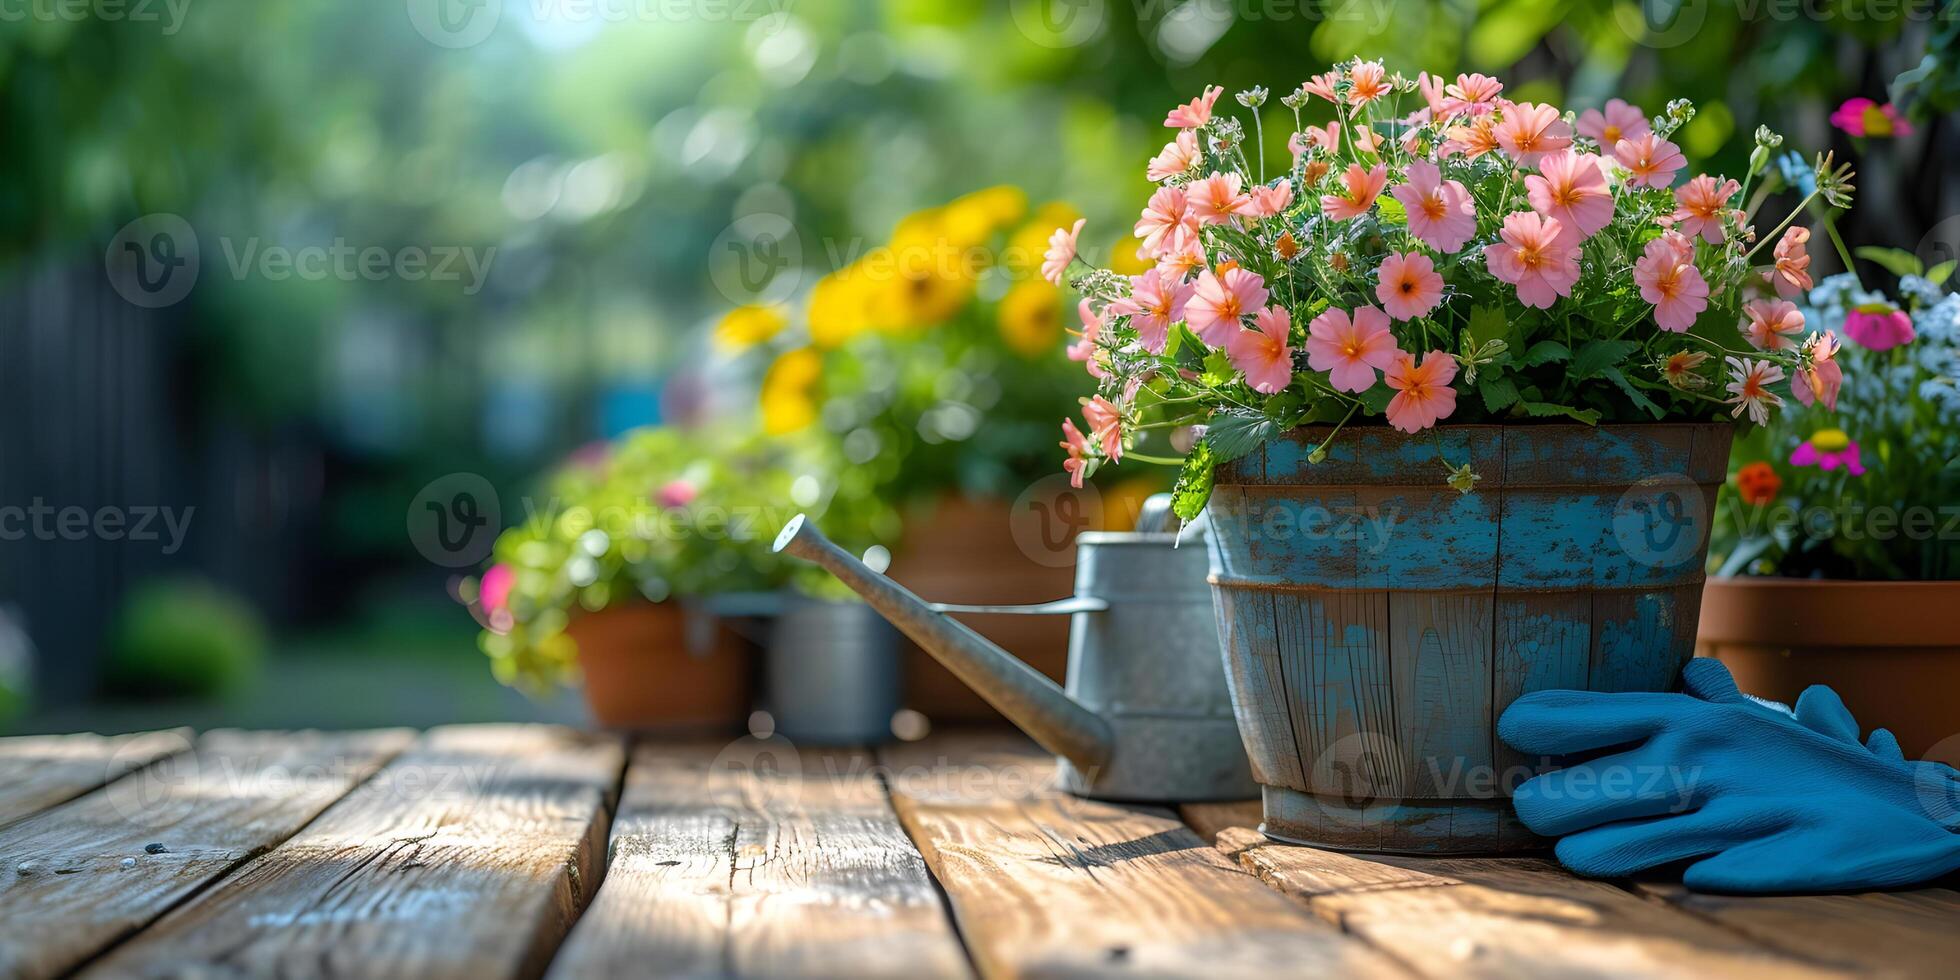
(972, 219)
(840, 307)
(1023, 254)
(1124, 260)
(788, 399)
(1031, 318)
(747, 326)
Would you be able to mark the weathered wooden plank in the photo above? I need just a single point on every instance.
(1439, 650)
(40, 771)
(1505, 917)
(469, 856)
(90, 872)
(1886, 934)
(757, 860)
(1047, 884)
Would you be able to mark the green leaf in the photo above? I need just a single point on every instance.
(1487, 323)
(1635, 395)
(1598, 355)
(1375, 400)
(1548, 410)
(1897, 261)
(1193, 488)
(1499, 393)
(1546, 352)
(1218, 369)
(1939, 274)
(1231, 435)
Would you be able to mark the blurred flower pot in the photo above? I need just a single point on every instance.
(1887, 648)
(1376, 622)
(658, 666)
(965, 551)
(831, 673)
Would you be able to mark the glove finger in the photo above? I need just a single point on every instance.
(1708, 679)
(1822, 711)
(1795, 862)
(1624, 786)
(1563, 722)
(1620, 849)
(1885, 745)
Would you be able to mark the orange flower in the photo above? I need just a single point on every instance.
(1758, 484)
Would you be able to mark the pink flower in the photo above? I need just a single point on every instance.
(1667, 278)
(1168, 208)
(1319, 137)
(1571, 187)
(494, 591)
(1440, 212)
(1619, 121)
(1367, 81)
(1530, 130)
(1218, 303)
(1749, 383)
(1650, 160)
(1702, 204)
(1358, 195)
(1078, 453)
(1105, 426)
(1769, 324)
(1262, 354)
(1878, 326)
(1473, 140)
(1182, 254)
(1820, 377)
(1534, 258)
(1351, 350)
(1084, 350)
(1217, 199)
(1791, 276)
(1423, 393)
(1323, 86)
(1472, 94)
(1156, 300)
(1432, 88)
(1061, 251)
(1410, 285)
(676, 493)
(1863, 117)
(1827, 450)
(1177, 157)
(1196, 112)
(1269, 201)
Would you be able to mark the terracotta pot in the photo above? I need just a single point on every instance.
(656, 667)
(964, 551)
(1376, 622)
(1889, 649)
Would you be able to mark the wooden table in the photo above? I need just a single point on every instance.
(504, 851)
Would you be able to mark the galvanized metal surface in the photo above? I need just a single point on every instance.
(1146, 715)
(830, 675)
(1377, 622)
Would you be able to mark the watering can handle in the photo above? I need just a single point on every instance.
(1059, 607)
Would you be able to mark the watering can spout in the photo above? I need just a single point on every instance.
(1026, 696)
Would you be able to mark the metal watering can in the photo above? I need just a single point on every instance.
(1146, 716)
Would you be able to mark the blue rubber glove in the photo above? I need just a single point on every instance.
(1762, 797)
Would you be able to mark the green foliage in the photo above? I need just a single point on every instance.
(183, 638)
(1194, 481)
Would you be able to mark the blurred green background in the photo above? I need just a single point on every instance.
(590, 157)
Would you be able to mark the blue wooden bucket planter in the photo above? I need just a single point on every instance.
(1375, 622)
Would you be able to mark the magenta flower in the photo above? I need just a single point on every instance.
(1879, 326)
(1863, 117)
(1828, 449)
(495, 589)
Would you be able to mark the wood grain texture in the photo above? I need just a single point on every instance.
(1882, 934)
(1505, 917)
(1044, 884)
(757, 860)
(90, 872)
(40, 771)
(469, 856)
